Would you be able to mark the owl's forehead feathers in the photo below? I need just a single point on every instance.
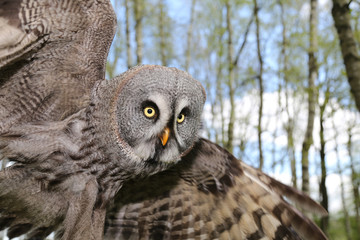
(148, 79)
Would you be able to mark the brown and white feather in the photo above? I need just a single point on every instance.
(222, 202)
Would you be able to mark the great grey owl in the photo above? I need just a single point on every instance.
(76, 140)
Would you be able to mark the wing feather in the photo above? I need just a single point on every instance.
(293, 194)
(210, 195)
(51, 54)
(15, 41)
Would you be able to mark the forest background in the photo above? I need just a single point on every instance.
(278, 95)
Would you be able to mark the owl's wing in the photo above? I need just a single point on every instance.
(211, 195)
(51, 54)
(38, 214)
(46, 190)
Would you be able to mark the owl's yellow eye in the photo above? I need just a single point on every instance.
(149, 112)
(180, 118)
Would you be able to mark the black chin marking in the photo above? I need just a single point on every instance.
(159, 148)
(151, 161)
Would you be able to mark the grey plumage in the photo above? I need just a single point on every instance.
(88, 156)
(77, 140)
(51, 54)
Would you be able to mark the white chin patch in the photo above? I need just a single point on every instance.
(170, 155)
(146, 151)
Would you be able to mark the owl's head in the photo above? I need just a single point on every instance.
(155, 113)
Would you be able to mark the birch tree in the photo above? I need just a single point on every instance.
(349, 50)
(308, 141)
(129, 60)
(139, 15)
(261, 85)
(231, 76)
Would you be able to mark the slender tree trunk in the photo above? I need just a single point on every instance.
(162, 34)
(231, 76)
(349, 50)
(189, 36)
(139, 13)
(289, 126)
(291, 151)
(213, 111)
(308, 141)
(342, 188)
(127, 33)
(324, 223)
(219, 95)
(218, 99)
(261, 85)
(242, 46)
(210, 98)
(354, 180)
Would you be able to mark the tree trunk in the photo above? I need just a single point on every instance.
(308, 141)
(342, 188)
(162, 34)
(324, 223)
(261, 86)
(219, 99)
(127, 33)
(230, 83)
(341, 15)
(354, 180)
(139, 13)
(289, 125)
(189, 36)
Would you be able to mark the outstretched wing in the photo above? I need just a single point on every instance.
(211, 195)
(51, 54)
(47, 190)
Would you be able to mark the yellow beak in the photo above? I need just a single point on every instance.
(164, 136)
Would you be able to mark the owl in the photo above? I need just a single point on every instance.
(137, 124)
(118, 159)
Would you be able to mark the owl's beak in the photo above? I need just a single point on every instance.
(164, 136)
